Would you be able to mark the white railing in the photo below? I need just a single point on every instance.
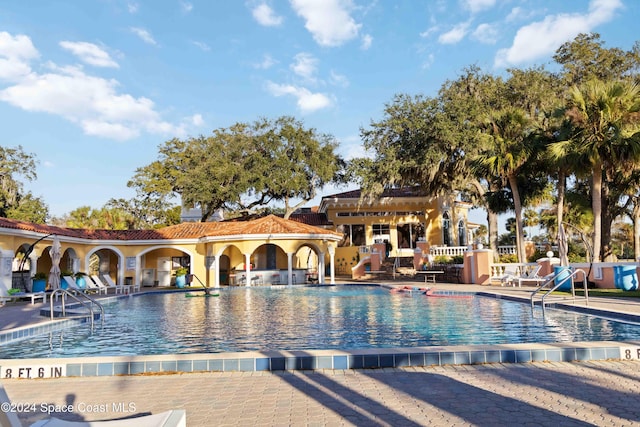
(365, 249)
(447, 250)
(511, 249)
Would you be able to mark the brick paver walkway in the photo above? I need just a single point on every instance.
(537, 394)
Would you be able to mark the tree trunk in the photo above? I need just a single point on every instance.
(607, 222)
(636, 229)
(596, 206)
(492, 221)
(562, 185)
(520, 250)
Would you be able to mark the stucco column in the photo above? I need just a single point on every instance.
(468, 271)
(216, 272)
(482, 260)
(321, 275)
(546, 264)
(6, 274)
(247, 269)
(417, 259)
(375, 258)
(289, 268)
(332, 257)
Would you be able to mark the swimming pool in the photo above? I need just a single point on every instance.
(308, 318)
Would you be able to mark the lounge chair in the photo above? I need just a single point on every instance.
(95, 287)
(507, 275)
(533, 277)
(7, 418)
(72, 285)
(33, 295)
(173, 418)
(108, 282)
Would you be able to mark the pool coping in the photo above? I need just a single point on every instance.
(376, 358)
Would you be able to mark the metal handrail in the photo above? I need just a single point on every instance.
(64, 293)
(206, 288)
(570, 276)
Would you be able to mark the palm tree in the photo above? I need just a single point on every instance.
(509, 130)
(605, 117)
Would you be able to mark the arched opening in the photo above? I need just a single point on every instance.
(462, 233)
(159, 264)
(307, 265)
(446, 229)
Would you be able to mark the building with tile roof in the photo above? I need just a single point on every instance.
(314, 242)
(216, 253)
(399, 217)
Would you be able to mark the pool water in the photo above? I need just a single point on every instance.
(308, 318)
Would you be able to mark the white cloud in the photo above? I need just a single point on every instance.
(205, 47)
(91, 102)
(305, 66)
(307, 101)
(366, 42)
(15, 54)
(476, 6)
(90, 53)
(143, 34)
(186, 6)
(454, 35)
(515, 14)
(266, 16)
(197, 120)
(327, 20)
(339, 79)
(266, 63)
(542, 38)
(486, 33)
(133, 7)
(428, 62)
(426, 33)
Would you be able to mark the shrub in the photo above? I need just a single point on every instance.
(40, 276)
(458, 259)
(508, 258)
(181, 271)
(442, 259)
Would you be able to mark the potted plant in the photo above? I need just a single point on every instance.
(180, 274)
(63, 273)
(39, 282)
(80, 279)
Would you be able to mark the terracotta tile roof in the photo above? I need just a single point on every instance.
(311, 218)
(270, 224)
(389, 192)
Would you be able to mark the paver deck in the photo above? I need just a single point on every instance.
(602, 393)
(558, 394)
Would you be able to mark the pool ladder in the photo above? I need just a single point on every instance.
(561, 281)
(206, 288)
(88, 303)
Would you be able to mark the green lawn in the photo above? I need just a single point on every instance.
(610, 293)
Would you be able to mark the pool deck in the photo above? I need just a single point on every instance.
(602, 392)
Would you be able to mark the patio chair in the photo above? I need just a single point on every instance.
(72, 285)
(173, 418)
(33, 295)
(92, 285)
(109, 284)
(533, 277)
(509, 272)
(123, 288)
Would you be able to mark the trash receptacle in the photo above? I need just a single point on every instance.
(625, 277)
(562, 273)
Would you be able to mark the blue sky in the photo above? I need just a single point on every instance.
(93, 87)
